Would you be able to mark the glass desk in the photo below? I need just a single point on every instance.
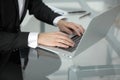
(99, 62)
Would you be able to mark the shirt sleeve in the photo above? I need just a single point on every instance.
(32, 39)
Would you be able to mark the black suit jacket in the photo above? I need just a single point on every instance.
(11, 38)
(10, 35)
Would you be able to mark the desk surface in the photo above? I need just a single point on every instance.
(49, 66)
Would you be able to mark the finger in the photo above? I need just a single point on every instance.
(61, 45)
(80, 28)
(65, 38)
(65, 42)
(68, 31)
(62, 34)
(75, 28)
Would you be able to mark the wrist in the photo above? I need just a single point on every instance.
(56, 20)
(38, 40)
(61, 23)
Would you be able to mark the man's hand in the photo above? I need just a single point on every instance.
(70, 27)
(57, 39)
(60, 39)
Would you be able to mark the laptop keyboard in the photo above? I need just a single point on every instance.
(76, 39)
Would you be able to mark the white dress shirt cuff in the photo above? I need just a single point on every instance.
(32, 39)
(55, 21)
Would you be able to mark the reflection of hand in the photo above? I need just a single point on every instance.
(58, 39)
(70, 27)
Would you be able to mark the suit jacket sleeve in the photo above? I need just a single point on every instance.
(10, 41)
(41, 11)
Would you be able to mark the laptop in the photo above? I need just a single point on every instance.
(96, 30)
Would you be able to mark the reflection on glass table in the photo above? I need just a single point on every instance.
(100, 72)
(41, 63)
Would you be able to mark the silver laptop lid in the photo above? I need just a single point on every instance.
(97, 29)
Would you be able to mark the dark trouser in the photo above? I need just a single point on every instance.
(12, 70)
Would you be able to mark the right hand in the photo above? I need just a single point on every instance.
(55, 39)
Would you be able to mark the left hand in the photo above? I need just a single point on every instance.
(70, 27)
